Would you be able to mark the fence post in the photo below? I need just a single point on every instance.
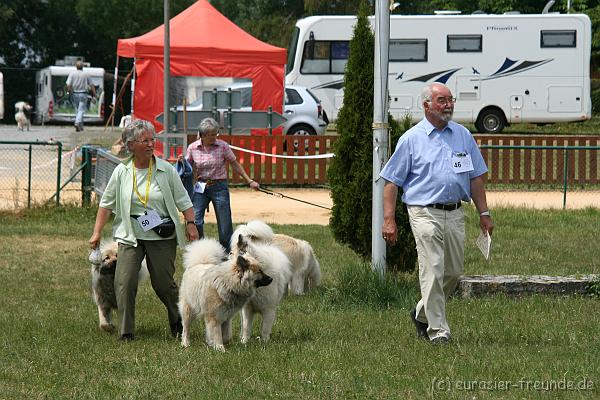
(86, 178)
(58, 170)
(29, 177)
(565, 177)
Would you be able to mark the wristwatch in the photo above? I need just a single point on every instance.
(190, 222)
(483, 214)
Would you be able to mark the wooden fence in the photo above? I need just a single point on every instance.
(540, 165)
(281, 171)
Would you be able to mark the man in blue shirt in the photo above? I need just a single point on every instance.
(438, 166)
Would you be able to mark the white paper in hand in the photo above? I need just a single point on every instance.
(484, 244)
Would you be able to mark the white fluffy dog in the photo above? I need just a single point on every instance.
(217, 289)
(267, 298)
(103, 282)
(306, 271)
(22, 110)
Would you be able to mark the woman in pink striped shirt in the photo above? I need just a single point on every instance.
(209, 157)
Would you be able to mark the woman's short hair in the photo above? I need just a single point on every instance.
(208, 125)
(135, 130)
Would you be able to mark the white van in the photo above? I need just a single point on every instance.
(503, 69)
(52, 102)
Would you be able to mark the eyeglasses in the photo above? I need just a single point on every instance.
(445, 100)
(146, 142)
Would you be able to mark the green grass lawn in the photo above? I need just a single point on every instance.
(351, 338)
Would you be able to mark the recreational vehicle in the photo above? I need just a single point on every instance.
(52, 103)
(502, 69)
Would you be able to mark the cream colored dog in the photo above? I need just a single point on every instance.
(216, 289)
(22, 109)
(306, 271)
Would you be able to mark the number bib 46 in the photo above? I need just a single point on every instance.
(462, 162)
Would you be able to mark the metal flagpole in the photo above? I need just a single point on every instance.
(380, 131)
(114, 96)
(167, 66)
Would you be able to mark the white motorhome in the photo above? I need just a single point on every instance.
(1, 96)
(502, 69)
(52, 103)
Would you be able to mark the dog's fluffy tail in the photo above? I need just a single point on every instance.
(204, 251)
(257, 230)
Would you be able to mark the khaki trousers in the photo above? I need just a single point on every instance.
(160, 258)
(440, 239)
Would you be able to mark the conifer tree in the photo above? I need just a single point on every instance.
(351, 171)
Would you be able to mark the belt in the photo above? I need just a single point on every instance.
(137, 216)
(210, 182)
(446, 207)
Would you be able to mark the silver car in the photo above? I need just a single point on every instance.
(302, 109)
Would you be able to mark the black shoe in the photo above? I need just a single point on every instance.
(126, 337)
(176, 329)
(421, 326)
(77, 128)
(440, 340)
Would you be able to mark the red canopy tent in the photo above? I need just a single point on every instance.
(203, 43)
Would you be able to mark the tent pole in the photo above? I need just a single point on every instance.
(167, 66)
(115, 86)
(132, 87)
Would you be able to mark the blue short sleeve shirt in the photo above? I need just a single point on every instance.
(422, 164)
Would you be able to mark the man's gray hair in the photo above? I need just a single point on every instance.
(208, 125)
(135, 130)
(427, 91)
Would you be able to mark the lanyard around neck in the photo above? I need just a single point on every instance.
(144, 200)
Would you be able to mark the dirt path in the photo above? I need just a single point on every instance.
(247, 204)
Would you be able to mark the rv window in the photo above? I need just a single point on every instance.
(292, 52)
(464, 43)
(316, 57)
(558, 38)
(408, 50)
(324, 57)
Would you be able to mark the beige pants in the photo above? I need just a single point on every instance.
(440, 239)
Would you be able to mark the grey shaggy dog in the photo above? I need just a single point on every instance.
(103, 283)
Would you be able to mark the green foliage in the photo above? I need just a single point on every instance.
(350, 174)
(358, 285)
(596, 101)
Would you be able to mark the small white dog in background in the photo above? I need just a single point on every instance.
(22, 110)
(306, 271)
